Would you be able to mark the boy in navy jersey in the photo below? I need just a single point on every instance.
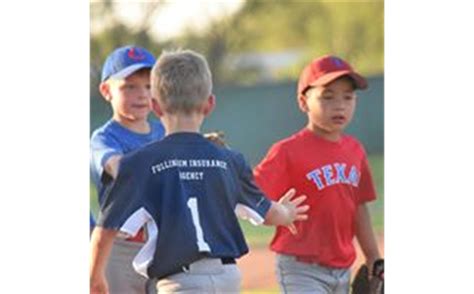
(186, 191)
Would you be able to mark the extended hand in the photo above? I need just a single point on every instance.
(294, 211)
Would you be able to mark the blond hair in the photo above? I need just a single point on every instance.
(181, 81)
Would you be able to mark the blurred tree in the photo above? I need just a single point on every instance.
(352, 30)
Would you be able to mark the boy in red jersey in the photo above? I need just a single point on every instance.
(331, 168)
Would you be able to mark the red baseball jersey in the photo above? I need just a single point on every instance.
(336, 178)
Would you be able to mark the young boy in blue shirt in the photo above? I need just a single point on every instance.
(187, 192)
(125, 84)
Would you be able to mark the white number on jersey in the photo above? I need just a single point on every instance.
(202, 245)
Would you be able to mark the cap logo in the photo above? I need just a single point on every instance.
(337, 62)
(135, 54)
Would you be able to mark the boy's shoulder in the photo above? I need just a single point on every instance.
(291, 141)
(156, 126)
(105, 130)
(304, 139)
(352, 142)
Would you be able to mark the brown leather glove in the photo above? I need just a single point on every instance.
(363, 284)
(216, 137)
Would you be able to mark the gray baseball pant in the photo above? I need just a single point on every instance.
(207, 275)
(300, 277)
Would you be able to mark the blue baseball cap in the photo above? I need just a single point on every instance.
(124, 61)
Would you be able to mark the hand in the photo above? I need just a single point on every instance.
(293, 210)
(98, 285)
(216, 137)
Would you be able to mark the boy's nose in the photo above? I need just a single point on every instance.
(339, 105)
(145, 93)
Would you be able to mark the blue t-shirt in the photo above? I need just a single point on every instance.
(91, 222)
(187, 191)
(114, 139)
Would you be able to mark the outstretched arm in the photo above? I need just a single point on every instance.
(101, 245)
(286, 211)
(112, 164)
(365, 235)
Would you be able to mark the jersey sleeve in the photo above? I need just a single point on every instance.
(123, 207)
(102, 148)
(252, 203)
(366, 190)
(271, 173)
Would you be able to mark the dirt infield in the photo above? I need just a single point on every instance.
(258, 266)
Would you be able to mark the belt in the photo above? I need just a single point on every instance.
(185, 268)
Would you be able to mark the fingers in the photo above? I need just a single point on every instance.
(301, 209)
(288, 195)
(301, 217)
(292, 229)
(299, 200)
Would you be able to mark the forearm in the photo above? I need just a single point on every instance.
(101, 245)
(111, 166)
(365, 234)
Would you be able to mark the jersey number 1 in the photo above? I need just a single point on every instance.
(202, 245)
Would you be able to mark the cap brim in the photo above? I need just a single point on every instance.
(130, 70)
(360, 82)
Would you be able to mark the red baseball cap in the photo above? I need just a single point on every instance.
(326, 69)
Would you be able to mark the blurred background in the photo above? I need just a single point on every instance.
(256, 51)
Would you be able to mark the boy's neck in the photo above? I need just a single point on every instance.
(330, 136)
(179, 122)
(139, 126)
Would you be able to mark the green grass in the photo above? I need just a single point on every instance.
(257, 236)
(94, 203)
(377, 207)
(260, 236)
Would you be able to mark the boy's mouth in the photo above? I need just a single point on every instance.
(338, 119)
(140, 106)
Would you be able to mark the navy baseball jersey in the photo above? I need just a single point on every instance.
(187, 191)
(114, 139)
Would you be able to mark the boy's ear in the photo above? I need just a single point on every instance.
(155, 106)
(210, 105)
(302, 103)
(104, 89)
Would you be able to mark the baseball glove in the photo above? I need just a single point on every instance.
(363, 284)
(216, 137)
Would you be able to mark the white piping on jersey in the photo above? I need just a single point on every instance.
(246, 213)
(131, 226)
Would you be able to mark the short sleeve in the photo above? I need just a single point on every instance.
(122, 199)
(366, 190)
(271, 173)
(102, 148)
(254, 205)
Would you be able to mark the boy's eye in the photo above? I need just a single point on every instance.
(327, 97)
(349, 97)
